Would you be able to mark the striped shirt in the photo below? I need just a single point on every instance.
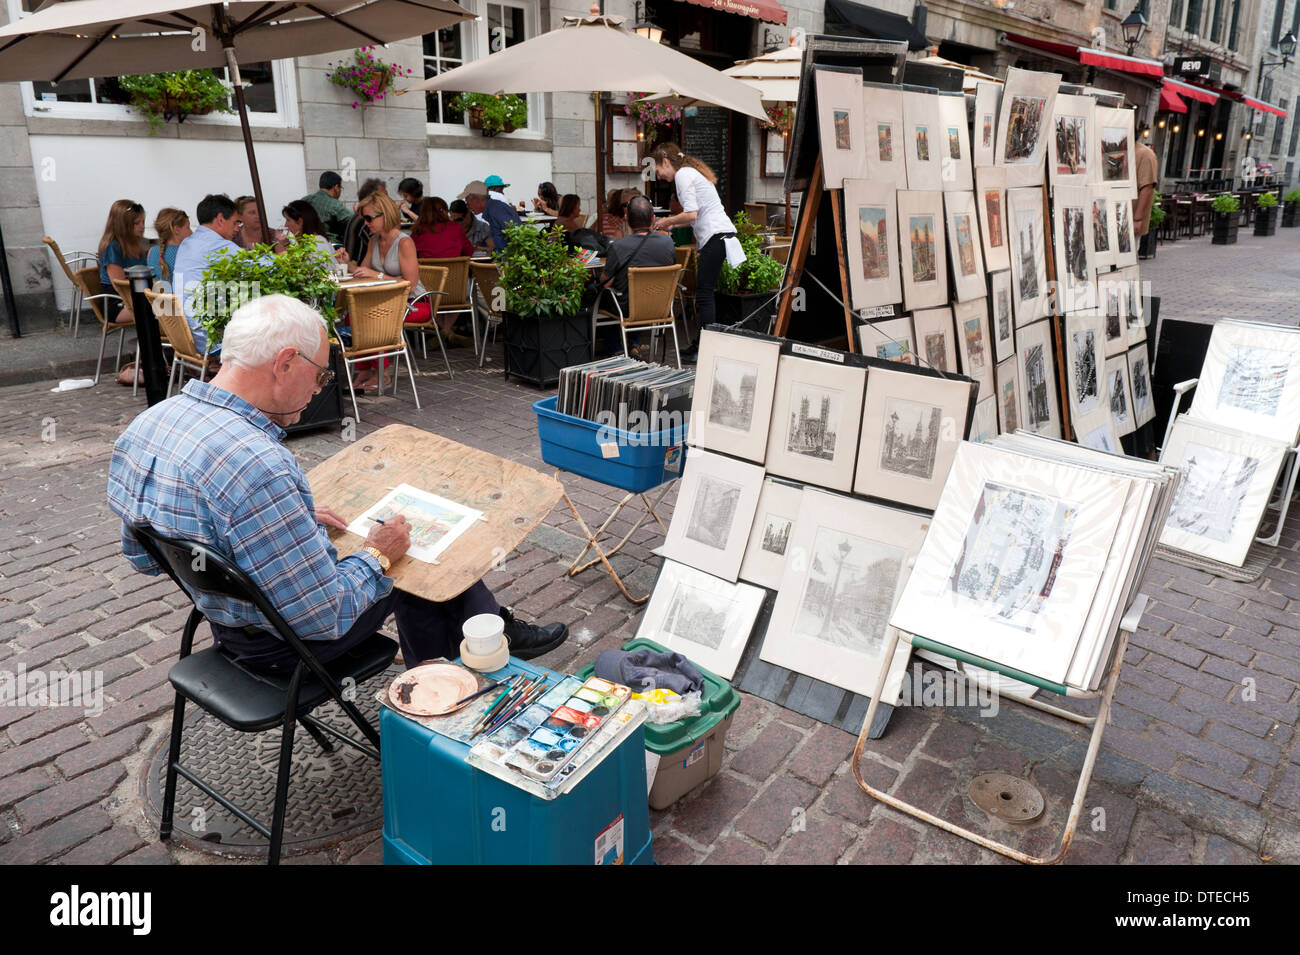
(207, 466)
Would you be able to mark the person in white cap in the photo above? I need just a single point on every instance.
(494, 212)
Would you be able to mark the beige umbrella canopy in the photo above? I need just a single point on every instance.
(78, 39)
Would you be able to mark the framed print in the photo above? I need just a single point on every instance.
(1028, 104)
(925, 141)
(1103, 229)
(1099, 434)
(911, 426)
(839, 121)
(891, 339)
(1250, 380)
(924, 262)
(714, 512)
(815, 418)
(1070, 146)
(1125, 244)
(935, 346)
(1076, 274)
(955, 159)
(1008, 395)
(735, 377)
(988, 97)
(831, 617)
(1001, 326)
(984, 426)
(1113, 293)
(769, 538)
(1037, 380)
(701, 617)
(623, 145)
(1227, 478)
(1130, 304)
(964, 245)
(1115, 137)
(1139, 377)
(1028, 263)
(991, 201)
(1014, 558)
(1084, 356)
(973, 343)
(885, 138)
(1120, 395)
(871, 224)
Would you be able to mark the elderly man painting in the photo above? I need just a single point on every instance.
(208, 465)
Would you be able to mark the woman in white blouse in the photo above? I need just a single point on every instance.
(702, 210)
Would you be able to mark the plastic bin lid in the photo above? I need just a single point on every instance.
(718, 700)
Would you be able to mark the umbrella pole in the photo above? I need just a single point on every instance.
(248, 137)
(600, 160)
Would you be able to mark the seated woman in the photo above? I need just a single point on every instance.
(612, 225)
(436, 236)
(301, 218)
(120, 247)
(548, 199)
(250, 232)
(412, 192)
(476, 230)
(173, 228)
(571, 218)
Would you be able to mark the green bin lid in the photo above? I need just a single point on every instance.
(717, 702)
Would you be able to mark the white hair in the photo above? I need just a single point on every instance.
(268, 323)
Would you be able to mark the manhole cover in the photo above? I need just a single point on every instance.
(1007, 797)
(332, 796)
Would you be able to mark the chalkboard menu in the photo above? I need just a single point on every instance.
(706, 135)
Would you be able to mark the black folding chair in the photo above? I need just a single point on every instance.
(254, 702)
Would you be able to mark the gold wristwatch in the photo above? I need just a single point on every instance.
(375, 552)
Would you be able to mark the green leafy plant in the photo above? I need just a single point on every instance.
(1292, 196)
(780, 116)
(758, 273)
(162, 97)
(1226, 204)
(502, 113)
(233, 278)
(1157, 212)
(1266, 200)
(367, 76)
(541, 277)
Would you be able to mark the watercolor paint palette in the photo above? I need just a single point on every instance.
(542, 740)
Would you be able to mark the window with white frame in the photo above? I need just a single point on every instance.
(499, 25)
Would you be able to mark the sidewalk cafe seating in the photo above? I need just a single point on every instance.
(377, 313)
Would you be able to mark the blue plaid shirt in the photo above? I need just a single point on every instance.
(207, 466)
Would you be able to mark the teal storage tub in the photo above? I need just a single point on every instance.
(638, 461)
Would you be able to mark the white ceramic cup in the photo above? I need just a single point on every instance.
(483, 633)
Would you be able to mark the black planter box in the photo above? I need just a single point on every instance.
(1265, 220)
(537, 348)
(1289, 214)
(757, 310)
(1224, 229)
(326, 409)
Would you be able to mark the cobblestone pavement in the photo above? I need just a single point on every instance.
(1199, 765)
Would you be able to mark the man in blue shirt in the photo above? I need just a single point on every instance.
(208, 465)
(493, 211)
(218, 224)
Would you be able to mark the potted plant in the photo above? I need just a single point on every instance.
(500, 113)
(1225, 208)
(1266, 213)
(302, 272)
(746, 293)
(544, 327)
(1290, 206)
(367, 76)
(655, 118)
(1157, 213)
(162, 97)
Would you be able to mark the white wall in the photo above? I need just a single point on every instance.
(76, 185)
(451, 169)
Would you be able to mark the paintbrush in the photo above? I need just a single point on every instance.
(474, 696)
(525, 701)
(501, 704)
(512, 684)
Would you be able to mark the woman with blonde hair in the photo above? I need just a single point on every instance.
(120, 247)
(702, 209)
(173, 228)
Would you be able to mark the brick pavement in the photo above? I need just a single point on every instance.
(1199, 765)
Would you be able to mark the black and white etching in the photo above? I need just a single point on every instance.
(1214, 485)
(814, 421)
(731, 403)
(1141, 389)
(776, 534)
(849, 591)
(1254, 379)
(697, 616)
(910, 437)
(1118, 400)
(714, 511)
(1037, 405)
(1086, 374)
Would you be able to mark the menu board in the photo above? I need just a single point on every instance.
(624, 149)
(707, 136)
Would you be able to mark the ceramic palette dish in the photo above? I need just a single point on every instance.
(433, 689)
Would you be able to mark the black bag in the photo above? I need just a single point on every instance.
(587, 239)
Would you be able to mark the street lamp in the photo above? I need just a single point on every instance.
(644, 28)
(1134, 26)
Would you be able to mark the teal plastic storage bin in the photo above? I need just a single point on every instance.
(690, 751)
(439, 810)
(640, 461)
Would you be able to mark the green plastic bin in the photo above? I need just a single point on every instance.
(690, 751)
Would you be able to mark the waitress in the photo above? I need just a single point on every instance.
(702, 210)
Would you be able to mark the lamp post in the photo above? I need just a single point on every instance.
(1134, 27)
(644, 28)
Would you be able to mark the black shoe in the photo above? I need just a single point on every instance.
(528, 641)
(691, 355)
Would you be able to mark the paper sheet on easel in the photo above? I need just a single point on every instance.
(435, 521)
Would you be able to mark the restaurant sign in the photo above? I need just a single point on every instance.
(769, 11)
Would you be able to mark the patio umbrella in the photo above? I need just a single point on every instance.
(79, 39)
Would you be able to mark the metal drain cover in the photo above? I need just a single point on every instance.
(1007, 797)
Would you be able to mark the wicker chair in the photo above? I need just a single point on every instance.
(487, 279)
(757, 213)
(87, 280)
(376, 313)
(650, 293)
(456, 297)
(69, 261)
(169, 311)
(434, 280)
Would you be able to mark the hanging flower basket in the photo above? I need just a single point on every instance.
(780, 117)
(367, 76)
(653, 117)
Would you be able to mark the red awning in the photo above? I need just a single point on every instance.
(1188, 91)
(1171, 102)
(1063, 50)
(1258, 104)
(1120, 62)
(769, 11)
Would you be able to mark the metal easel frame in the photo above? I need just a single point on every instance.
(1128, 625)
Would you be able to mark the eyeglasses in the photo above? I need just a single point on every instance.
(324, 376)
(371, 218)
